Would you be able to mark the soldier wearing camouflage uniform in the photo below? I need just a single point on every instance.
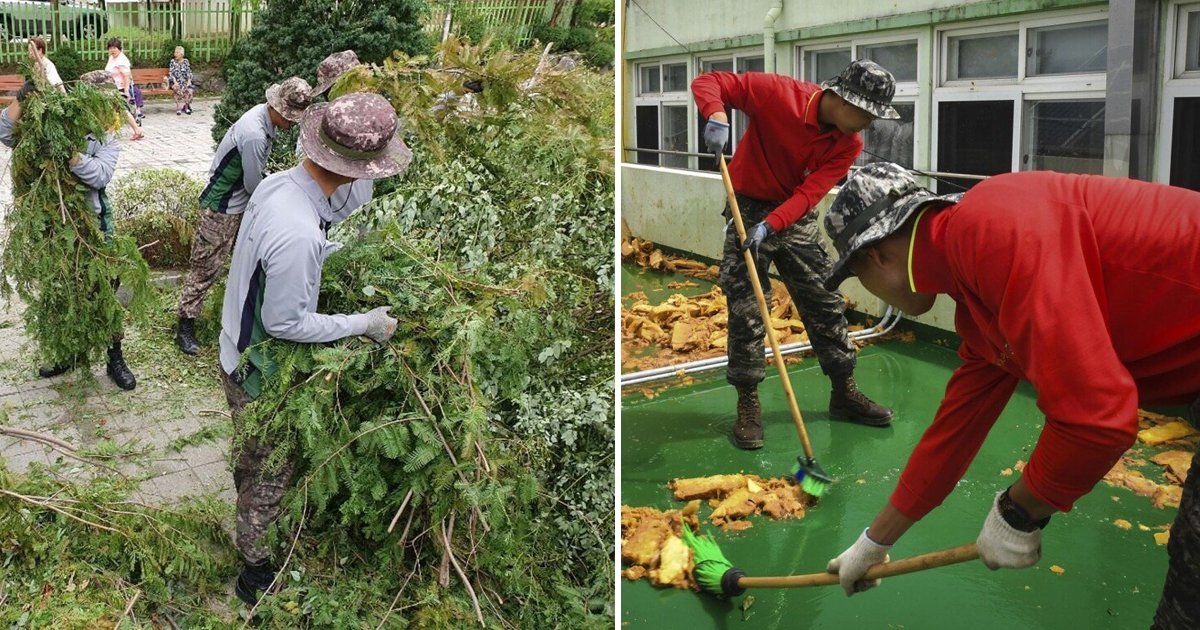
(1086, 287)
(237, 169)
(273, 286)
(802, 138)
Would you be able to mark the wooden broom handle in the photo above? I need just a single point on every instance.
(931, 560)
(764, 310)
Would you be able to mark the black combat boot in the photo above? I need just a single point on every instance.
(748, 430)
(185, 338)
(846, 402)
(253, 581)
(117, 370)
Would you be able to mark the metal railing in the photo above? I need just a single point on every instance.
(519, 16)
(729, 156)
(208, 29)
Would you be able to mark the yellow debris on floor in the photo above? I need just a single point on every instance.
(645, 254)
(651, 543)
(1165, 432)
(735, 497)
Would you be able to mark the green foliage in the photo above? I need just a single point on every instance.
(489, 415)
(56, 257)
(291, 39)
(73, 555)
(160, 209)
(68, 62)
(594, 45)
(167, 52)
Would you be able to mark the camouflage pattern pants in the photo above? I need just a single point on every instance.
(1179, 608)
(259, 490)
(210, 250)
(802, 263)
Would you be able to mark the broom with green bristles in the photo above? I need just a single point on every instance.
(811, 476)
(716, 575)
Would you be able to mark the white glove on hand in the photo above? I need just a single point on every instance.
(852, 565)
(1003, 546)
(380, 326)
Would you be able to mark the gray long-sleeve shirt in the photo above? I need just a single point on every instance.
(275, 276)
(97, 163)
(240, 163)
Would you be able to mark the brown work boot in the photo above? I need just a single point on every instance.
(846, 402)
(748, 430)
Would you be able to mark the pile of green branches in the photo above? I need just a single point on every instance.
(462, 474)
(83, 556)
(56, 257)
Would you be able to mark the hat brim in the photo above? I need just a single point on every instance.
(394, 160)
(294, 114)
(904, 208)
(886, 112)
(324, 86)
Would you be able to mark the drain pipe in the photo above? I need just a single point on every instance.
(890, 318)
(769, 35)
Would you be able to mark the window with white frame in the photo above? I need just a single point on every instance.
(738, 63)
(885, 140)
(661, 113)
(1027, 95)
(1179, 153)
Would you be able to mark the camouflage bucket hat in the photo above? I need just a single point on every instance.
(290, 98)
(868, 86)
(874, 202)
(333, 67)
(99, 78)
(355, 136)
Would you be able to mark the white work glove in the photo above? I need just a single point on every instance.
(1003, 546)
(853, 563)
(716, 136)
(380, 326)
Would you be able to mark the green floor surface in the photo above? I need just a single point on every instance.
(1112, 579)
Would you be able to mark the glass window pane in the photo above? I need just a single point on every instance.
(968, 147)
(750, 64)
(899, 58)
(890, 140)
(649, 82)
(1069, 49)
(1193, 41)
(983, 56)
(820, 65)
(674, 134)
(716, 65)
(1065, 136)
(674, 77)
(1185, 144)
(646, 119)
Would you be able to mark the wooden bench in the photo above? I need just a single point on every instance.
(153, 81)
(9, 85)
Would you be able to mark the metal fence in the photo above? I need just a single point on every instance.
(207, 28)
(516, 16)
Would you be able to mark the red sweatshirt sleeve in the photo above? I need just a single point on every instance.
(806, 196)
(714, 90)
(975, 396)
(1042, 267)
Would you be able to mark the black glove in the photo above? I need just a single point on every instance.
(474, 86)
(26, 90)
(756, 236)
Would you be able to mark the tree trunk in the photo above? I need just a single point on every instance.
(56, 28)
(557, 14)
(575, 12)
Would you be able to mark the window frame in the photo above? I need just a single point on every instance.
(1020, 89)
(660, 100)
(732, 56)
(1177, 83)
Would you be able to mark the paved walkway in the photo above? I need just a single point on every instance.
(172, 431)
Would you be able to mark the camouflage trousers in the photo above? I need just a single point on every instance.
(1179, 608)
(259, 490)
(802, 264)
(210, 250)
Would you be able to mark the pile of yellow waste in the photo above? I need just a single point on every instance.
(645, 254)
(651, 540)
(1174, 434)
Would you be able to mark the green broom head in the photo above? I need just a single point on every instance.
(813, 479)
(713, 571)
